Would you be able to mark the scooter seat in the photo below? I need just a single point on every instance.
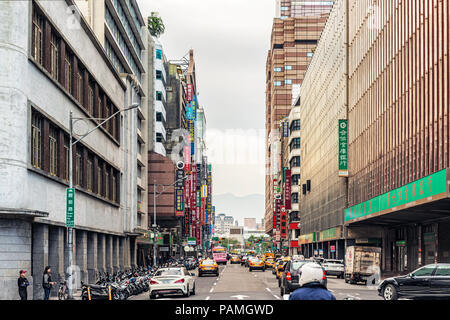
(94, 286)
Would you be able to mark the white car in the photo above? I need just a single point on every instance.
(176, 280)
(334, 267)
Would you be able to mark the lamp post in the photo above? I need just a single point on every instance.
(154, 225)
(72, 121)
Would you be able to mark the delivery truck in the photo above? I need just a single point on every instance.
(361, 263)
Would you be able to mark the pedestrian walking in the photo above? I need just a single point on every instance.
(47, 282)
(312, 285)
(23, 284)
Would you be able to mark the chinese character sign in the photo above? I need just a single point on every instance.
(189, 92)
(70, 208)
(343, 148)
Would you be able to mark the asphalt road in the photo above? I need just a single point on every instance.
(235, 282)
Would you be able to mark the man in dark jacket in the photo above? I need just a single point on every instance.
(312, 284)
(23, 284)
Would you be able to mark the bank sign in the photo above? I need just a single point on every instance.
(343, 148)
(433, 187)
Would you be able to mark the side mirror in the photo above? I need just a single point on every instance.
(412, 275)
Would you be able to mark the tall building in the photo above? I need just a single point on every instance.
(121, 31)
(293, 41)
(68, 71)
(222, 224)
(395, 195)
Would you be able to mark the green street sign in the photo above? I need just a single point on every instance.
(70, 208)
(343, 148)
(199, 199)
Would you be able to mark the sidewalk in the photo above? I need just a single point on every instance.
(76, 296)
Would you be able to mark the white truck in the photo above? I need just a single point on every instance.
(362, 264)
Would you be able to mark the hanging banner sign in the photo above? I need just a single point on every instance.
(343, 148)
(189, 111)
(287, 189)
(283, 222)
(195, 107)
(189, 92)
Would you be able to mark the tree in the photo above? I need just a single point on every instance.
(155, 25)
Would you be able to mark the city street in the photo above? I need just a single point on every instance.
(235, 282)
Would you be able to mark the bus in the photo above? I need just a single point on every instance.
(220, 255)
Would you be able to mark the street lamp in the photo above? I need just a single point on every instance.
(72, 121)
(154, 225)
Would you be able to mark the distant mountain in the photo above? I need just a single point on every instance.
(251, 206)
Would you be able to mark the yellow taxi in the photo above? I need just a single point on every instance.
(208, 266)
(269, 263)
(235, 259)
(275, 264)
(280, 266)
(256, 264)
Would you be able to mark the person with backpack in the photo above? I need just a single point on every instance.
(47, 282)
(23, 284)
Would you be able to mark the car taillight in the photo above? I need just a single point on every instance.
(324, 275)
(179, 281)
(153, 281)
(288, 276)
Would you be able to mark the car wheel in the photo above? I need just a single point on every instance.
(152, 296)
(188, 292)
(263, 270)
(193, 291)
(199, 274)
(282, 291)
(390, 293)
(250, 269)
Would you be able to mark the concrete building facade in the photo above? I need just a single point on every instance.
(67, 69)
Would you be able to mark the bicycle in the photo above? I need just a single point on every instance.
(63, 291)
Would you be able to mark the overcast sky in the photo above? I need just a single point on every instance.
(230, 39)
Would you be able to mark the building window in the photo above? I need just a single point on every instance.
(139, 171)
(284, 8)
(294, 197)
(159, 116)
(158, 95)
(66, 158)
(288, 81)
(295, 144)
(36, 140)
(68, 73)
(139, 144)
(295, 162)
(159, 137)
(295, 125)
(287, 67)
(80, 87)
(90, 173)
(295, 179)
(114, 188)
(78, 170)
(158, 54)
(36, 37)
(158, 75)
(53, 149)
(106, 185)
(277, 83)
(54, 56)
(277, 69)
(309, 54)
(90, 99)
(99, 179)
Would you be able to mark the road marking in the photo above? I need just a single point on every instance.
(207, 298)
(240, 297)
(268, 289)
(215, 283)
(277, 297)
(212, 289)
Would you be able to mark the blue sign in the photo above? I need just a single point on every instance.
(194, 105)
(189, 111)
(286, 128)
(192, 148)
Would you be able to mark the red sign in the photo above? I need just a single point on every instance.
(278, 212)
(287, 189)
(189, 92)
(283, 226)
(294, 226)
(332, 248)
(193, 186)
(293, 244)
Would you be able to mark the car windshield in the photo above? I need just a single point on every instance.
(168, 272)
(333, 261)
(297, 264)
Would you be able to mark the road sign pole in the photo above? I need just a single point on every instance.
(70, 229)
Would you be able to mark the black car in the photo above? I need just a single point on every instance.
(430, 281)
(288, 281)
